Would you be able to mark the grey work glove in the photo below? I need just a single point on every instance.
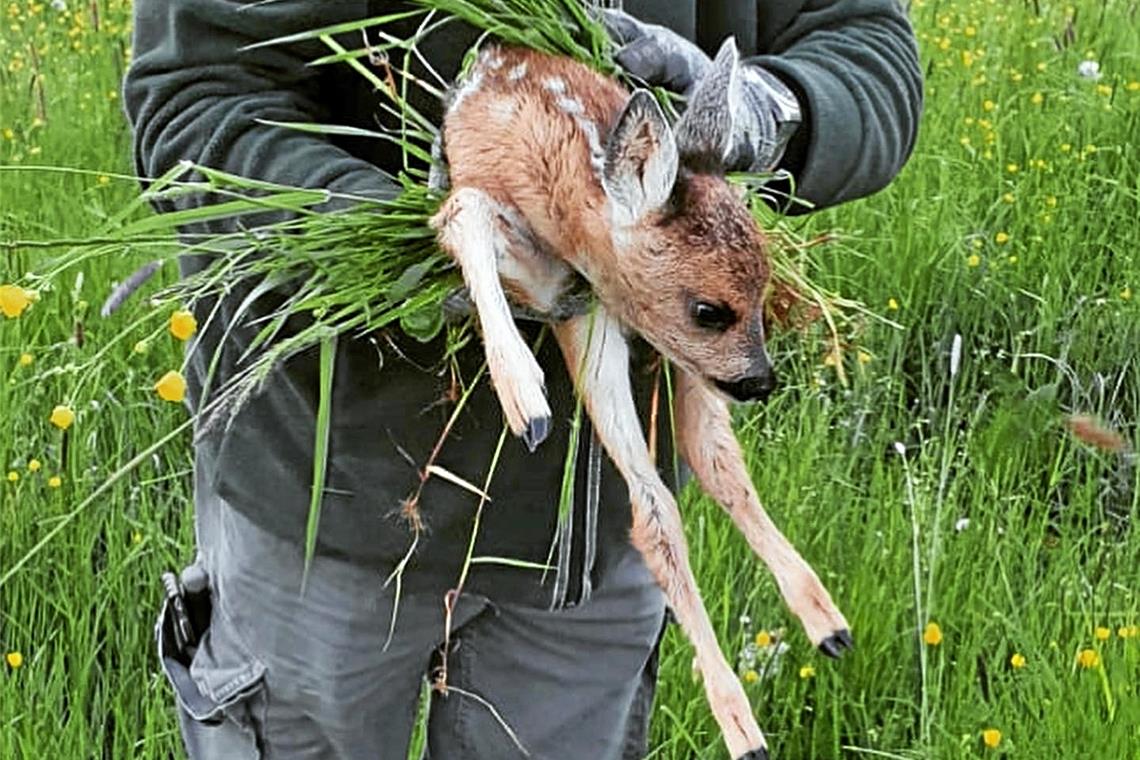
(769, 112)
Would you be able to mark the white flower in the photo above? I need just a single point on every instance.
(900, 449)
(1089, 70)
(961, 524)
(955, 354)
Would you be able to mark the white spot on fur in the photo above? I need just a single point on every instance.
(570, 105)
(594, 141)
(469, 88)
(503, 109)
(517, 72)
(490, 58)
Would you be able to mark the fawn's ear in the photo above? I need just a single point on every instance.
(641, 159)
(704, 132)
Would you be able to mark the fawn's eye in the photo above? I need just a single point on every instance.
(712, 316)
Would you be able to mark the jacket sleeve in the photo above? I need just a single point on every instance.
(854, 65)
(193, 92)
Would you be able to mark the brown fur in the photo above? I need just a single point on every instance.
(510, 138)
(538, 193)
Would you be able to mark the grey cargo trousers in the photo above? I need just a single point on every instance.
(280, 675)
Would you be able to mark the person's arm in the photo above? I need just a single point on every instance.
(834, 98)
(192, 93)
(854, 66)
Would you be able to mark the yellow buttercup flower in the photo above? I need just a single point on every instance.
(1037, 99)
(763, 639)
(183, 324)
(932, 634)
(55, 481)
(991, 737)
(807, 671)
(892, 304)
(14, 300)
(1126, 294)
(62, 417)
(26, 360)
(171, 386)
(1001, 238)
(1017, 661)
(1088, 658)
(13, 476)
(34, 465)
(1012, 168)
(751, 676)
(973, 260)
(14, 659)
(1128, 631)
(1009, 198)
(1102, 633)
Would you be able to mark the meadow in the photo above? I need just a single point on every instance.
(968, 494)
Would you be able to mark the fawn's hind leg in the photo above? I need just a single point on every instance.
(707, 442)
(598, 356)
(472, 230)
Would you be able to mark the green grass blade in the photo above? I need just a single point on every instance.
(320, 451)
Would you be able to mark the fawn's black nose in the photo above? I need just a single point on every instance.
(754, 388)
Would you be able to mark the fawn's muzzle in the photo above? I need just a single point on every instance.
(754, 388)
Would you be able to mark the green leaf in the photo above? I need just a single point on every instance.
(424, 323)
(409, 280)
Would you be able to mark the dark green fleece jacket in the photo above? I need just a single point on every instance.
(194, 93)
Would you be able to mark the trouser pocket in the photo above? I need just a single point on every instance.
(215, 682)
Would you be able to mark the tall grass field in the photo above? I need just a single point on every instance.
(968, 494)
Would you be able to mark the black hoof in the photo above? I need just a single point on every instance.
(756, 754)
(836, 643)
(536, 432)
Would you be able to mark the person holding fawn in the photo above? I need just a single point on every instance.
(537, 666)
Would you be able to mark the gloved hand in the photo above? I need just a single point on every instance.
(769, 111)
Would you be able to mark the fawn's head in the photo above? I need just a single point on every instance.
(692, 266)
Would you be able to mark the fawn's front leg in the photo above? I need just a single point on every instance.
(707, 442)
(597, 355)
(472, 229)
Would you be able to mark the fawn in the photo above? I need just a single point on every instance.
(556, 173)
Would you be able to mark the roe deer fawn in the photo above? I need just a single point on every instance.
(557, 171)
